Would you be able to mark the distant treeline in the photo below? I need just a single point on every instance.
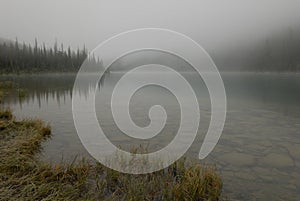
(279, 52)
(23, 58)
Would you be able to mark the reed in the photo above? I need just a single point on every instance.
(24, 177)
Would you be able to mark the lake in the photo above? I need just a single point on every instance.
(258, 155)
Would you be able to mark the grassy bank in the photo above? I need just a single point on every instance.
(24, 177)
(8, 87)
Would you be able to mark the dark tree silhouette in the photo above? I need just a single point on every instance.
(16, 58)
(281, 52)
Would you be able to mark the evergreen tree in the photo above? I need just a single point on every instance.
(16, 58)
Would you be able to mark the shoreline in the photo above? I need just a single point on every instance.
(25, 177)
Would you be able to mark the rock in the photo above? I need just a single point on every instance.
(245, 175)
(294, 150)
(238, 159)
(277, 160)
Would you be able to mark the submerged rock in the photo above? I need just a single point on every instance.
(277, 160)
(238, 159)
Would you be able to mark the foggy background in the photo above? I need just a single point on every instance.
(223, 28)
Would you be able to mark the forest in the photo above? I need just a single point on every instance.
(279, 52)
(23, 58)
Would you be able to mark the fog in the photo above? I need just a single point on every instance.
(214, 24)
(239, 35)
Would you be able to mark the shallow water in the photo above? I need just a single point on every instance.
(258, 154)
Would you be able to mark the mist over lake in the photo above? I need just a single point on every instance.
(150, 100)
(258, 150)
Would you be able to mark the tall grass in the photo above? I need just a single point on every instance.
(8, 87)
(24, 177)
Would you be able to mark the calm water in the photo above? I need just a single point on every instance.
(258, 154)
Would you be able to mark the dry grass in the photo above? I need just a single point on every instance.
(24, 177)
(8, 87)
(176, 182)
(5, 86)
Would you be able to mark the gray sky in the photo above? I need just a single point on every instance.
(212, 23)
